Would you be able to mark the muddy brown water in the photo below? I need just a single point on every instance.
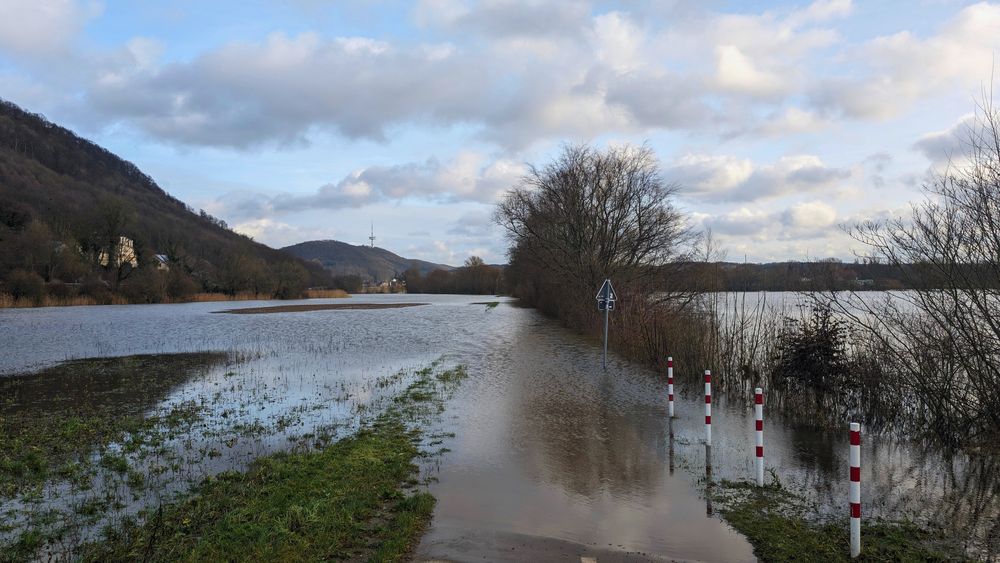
(553, 458)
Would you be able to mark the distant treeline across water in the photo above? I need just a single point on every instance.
(824, 275)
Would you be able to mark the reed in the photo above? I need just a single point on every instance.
(326, 294)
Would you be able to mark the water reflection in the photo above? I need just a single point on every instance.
(709, 484)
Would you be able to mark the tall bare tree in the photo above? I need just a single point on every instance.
(589, 215)
(941, 341)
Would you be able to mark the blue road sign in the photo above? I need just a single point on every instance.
(607, 292)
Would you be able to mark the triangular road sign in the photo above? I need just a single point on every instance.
(607, 292)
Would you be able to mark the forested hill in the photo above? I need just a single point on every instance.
(66, 204)
(371, 264)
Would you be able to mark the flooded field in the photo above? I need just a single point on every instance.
(551, 457)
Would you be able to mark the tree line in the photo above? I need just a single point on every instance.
(475, 277)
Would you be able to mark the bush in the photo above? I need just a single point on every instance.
(60, 290)
(26, 285)
(93, 286)
(812, 353)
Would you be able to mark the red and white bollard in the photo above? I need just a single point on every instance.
(670, 386)
(708, 407)
(758, 407)
(855, 491)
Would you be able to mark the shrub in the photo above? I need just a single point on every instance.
(26, 285)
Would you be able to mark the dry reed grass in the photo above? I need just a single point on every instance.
(326, 294)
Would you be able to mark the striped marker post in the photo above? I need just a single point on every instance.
(758, 407)
(670, 386)
(855, 492)
(708, 407)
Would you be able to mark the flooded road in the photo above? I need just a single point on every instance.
(552, 457)
(557, 458)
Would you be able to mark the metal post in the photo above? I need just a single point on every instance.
(605, 337)
(708, 408)
(854, 496)
(670, 386)
(758, 407)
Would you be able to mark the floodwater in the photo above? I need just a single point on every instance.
(553, 458)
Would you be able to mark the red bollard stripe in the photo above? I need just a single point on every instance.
(760, 451)
(708, 378)
(760, 425)
(856, 474)
(758, 399)
(708, 419)
(855, 510)
(670, 397)
(855, 438)
(708, 398)
(670, 363)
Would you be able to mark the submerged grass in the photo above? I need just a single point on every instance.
(50, 421)
(781, 526)
(351, 500)
(343, 502)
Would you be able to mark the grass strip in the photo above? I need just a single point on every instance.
(344, 502)
(781, 526)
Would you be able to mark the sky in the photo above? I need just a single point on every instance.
(781, 123)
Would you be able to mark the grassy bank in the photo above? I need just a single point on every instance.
(781, 526)
(52, 420)
(354, 499)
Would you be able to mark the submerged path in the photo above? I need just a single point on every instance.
(555, 459)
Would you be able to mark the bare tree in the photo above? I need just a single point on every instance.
(589, 215)
(941, 342)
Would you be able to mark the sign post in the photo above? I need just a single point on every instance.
(606, 298)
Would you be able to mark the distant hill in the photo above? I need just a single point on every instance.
(373, 264)
(65, 201)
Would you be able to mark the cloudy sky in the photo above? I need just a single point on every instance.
(311, 119)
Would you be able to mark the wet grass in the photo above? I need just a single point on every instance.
(346, 501)
(354, 499)
(50, 421)
(781, 526)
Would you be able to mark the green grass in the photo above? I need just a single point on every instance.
(52, 420)
(352, 500)
(343, 502)
(783, 527)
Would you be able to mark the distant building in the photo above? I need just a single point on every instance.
(162, 262)
(123, 253)
(864, 283)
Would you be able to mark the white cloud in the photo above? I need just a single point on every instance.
(903, 68)
(736, 72)
(728, 178)
(469, 176)
(42, 28)
(952, 144)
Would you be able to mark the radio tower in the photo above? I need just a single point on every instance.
(372, 237)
